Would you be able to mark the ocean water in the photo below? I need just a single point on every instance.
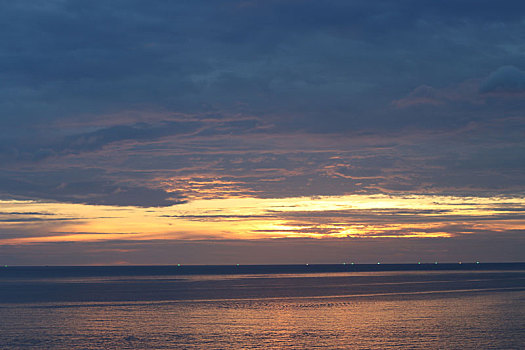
(258, 307)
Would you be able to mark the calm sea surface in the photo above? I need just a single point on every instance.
(257, 307)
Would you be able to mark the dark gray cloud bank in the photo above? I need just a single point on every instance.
(118, 102)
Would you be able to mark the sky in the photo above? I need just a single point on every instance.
(261, 132)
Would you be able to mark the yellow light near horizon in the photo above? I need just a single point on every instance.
(255, 218)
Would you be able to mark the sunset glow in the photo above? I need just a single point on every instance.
(377, 216)
(261, 131)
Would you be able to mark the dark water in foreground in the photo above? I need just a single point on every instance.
(264, 307)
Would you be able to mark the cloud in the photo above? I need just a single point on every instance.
(26, 220)
(25, 213)
(137, 133)
(424, 94)
(96, 192)
(66, 142)
(455, 96)
(300, 62)
(260, 96)
(505, 80)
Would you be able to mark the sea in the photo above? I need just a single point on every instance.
(343, 306)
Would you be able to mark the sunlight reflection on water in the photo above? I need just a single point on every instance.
(432, 313)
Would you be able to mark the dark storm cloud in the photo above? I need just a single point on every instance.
(73, 74)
